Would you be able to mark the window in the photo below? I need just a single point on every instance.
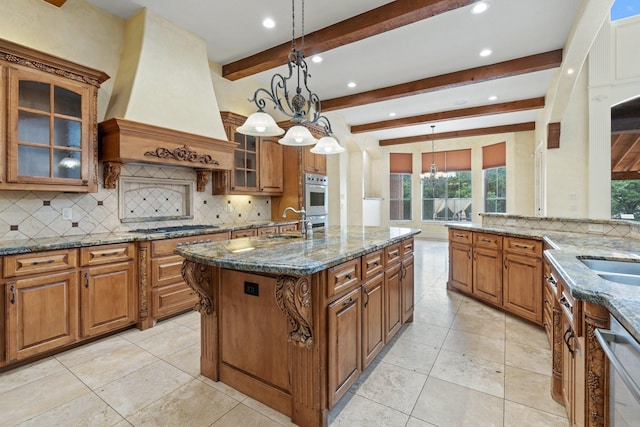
(401, 168)
(448, 197)
(625, 199)
(400, 197)
(624, 8)
(495, 189)
(495, 177)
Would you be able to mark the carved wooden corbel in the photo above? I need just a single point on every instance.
(202, 179)
(198, 277)
(111, 174)
(293, 296)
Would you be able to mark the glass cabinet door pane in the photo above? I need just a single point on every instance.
(33, 161)
(238, 178)
(238, 159)
(251, 161)
(251, 143)
(66, 133)
(252, 179)
(67, 102)
(33, 128)
(66, 164)
(240, 139)
(34, 95)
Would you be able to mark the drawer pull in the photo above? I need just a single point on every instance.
(566, 339)
(518, 245)
(348, 276)
(551, 280)
(13, 294)
(564, 302)
(86, 279)
(376, 263)
(459, 235)
(486, 240)
(49, 261)
(366, 302)
(348, 302)
(114, 253)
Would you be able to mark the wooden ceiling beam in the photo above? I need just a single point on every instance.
(514, 67)
(519, 127)
(624, 175)
(485, 110)
(379, 20)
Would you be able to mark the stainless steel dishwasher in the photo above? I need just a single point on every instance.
(623, 352)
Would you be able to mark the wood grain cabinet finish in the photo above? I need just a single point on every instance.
(460, 261)
(373, 330)
(265, 231)
(342, 278)
(50, 106)
(487, 267)
(522, 286)
(108, 292)
(287, 227)
(407, 285)
(345, 344)
(392, 300)
(249, 232)
(314, 163)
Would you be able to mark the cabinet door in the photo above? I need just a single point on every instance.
(244, 177)
(487, 275)
(314, 163)
(393, 301)
(270, 166)
(522, 286)
(42, 314)
(345, 344)
(372, 318)
(107, 298)
(407, 289)
(49, 132)
(460, 267)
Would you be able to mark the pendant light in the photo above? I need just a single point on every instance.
(432, 173)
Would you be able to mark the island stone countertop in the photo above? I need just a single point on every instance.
(293, 254)
(622, 301)
(11, 247)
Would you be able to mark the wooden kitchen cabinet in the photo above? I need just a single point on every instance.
(108, 292)
(393, 300)
(257, 163)
(247, 232)
(487, 267)
(373, 331)
(314, 163)
(265, 231)
(344, 344)
(522, 278)
(460, 266)
(407, 280)
(50, 106)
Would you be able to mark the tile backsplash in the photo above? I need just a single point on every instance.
(31, 214)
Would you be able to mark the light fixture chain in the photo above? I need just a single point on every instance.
(302, 26)
(293, 25)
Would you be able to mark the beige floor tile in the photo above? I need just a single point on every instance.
(187, 360)
(86, 410)
(392, 386)
(411, 355)
(244, 416)
(220, 386)
(533, 359)
(414, 422)
(111, 366)
(523, 332)
(28, 373)
(87, 353)
(423, 333)
(475, 345)
(194, 404)
(170, 341)
(191, 320)
(135, 335)
(39, 396)
(133, 392)
(516, 415)
(530, 389)
(354, 410)
(449, 405)
(434, 316)
(476, 308)
(478, 374)
(272, 414)
(491, 328)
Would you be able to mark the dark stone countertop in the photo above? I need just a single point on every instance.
(622, 301)
(292, 254)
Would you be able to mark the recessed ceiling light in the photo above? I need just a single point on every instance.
(570, 71)
(485, 52)
(268, 23)
(316, 58)
(351, 85)
(493, 98)
(479, 8)
(392, 114)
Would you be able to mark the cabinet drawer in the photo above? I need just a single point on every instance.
(265, 231)
(460, 236)
(572, 310)
(487, 240)
(106, 254)
(392, 254)
(372, 264)
(407, 247)
(523, 246)
(39, 262)
(172, 299)
(343, 277)
(166, 270)
(167, 246)
(288, 227)
(249, 232)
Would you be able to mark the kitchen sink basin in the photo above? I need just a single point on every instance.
(625, 272)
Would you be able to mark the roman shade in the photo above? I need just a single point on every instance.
(494, 156)
(448, 161)
(401, 162)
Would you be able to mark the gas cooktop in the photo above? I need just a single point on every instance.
(172, 228)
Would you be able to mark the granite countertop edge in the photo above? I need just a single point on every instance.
(622, 301)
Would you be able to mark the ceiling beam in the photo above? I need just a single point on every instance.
(624, 175)
(519, 127)
(514, 67)
(485, 110)
(379, 20)
(58, 3)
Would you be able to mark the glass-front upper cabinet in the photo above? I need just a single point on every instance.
(50, 129)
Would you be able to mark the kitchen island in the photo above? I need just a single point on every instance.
(292, 321)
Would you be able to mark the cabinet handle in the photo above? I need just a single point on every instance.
(114, 253)
(564, 302)
(367, 300)
(348, 302)
(49, 261)
(475, 255)
(86, 279)
(505, 263)
(376, 263)
(13, 294)
(551, 280)
(348, 276)
(468, 253)
(517, 245)
(566, 339)
(458, 235)
(486, 240)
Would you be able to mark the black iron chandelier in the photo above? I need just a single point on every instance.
(302, 106)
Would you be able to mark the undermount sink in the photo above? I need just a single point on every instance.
(625, 272)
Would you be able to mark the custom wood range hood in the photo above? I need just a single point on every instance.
(163, 109)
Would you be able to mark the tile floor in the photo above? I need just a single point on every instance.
(459, 363)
